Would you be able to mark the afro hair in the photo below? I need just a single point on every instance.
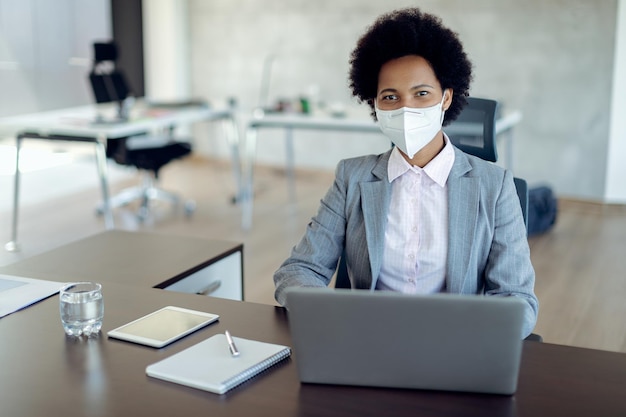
(411, 32)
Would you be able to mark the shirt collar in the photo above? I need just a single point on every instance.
(438, 169)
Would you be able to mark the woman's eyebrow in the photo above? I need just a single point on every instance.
(419, 86)
(415, 87)
(387, 90)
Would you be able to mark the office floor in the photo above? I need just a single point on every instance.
(580, 264)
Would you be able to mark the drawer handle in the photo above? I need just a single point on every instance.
(211, 288)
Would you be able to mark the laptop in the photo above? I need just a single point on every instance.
(469, 343)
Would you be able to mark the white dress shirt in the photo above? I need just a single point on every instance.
(416, 235)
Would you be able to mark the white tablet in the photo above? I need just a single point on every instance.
(163, 326)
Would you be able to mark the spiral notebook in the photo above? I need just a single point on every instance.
(209, 365)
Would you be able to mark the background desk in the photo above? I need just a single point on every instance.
(45, 373)
(176, 263)
(76, 124)
(294, 121)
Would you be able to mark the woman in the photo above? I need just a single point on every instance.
(423, 217)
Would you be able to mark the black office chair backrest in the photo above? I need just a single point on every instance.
(109, 87)
(341, 278)
(522, 193)
(107, 81)
(104, 51)
(474, 130)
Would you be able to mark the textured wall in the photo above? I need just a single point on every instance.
(550, 59)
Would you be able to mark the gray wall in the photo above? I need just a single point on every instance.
(45, 52)
(550, 59)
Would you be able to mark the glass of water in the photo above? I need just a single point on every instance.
(82, 308)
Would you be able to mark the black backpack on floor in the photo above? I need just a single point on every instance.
(542, 210)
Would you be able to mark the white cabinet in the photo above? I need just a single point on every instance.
(223, 279)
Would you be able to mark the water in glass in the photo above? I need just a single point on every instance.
(82, 308)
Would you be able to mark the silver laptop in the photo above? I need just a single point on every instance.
(384, 339)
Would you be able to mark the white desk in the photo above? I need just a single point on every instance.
(77, 124)
(291, 121)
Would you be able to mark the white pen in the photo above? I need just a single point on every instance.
(231, 344)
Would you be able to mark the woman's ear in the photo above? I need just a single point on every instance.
(447, 98)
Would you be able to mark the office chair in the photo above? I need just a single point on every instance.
(148, 153)
(473, 132)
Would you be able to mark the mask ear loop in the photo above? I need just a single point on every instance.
(443, 112)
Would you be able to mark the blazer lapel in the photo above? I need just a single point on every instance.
(463, 198)
(375, 197)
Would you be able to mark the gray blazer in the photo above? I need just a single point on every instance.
(487, 245)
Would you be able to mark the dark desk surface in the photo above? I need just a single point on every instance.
(136, 258)
(45, 373)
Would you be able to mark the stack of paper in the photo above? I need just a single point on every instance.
(18, 292)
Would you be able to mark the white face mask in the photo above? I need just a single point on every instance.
(410, 129)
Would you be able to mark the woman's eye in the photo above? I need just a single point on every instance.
(421, 93)
(390, 97)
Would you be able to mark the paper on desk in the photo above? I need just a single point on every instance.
(17, 293)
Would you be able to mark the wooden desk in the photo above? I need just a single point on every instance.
(144, 260)
(45, 373)
(77, 124)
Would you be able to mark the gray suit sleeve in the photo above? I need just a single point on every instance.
(313, 260)
(509, 271)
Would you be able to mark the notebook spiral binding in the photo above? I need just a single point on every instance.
(256, 369)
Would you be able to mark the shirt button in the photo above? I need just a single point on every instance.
(411, 256)
(414, 229)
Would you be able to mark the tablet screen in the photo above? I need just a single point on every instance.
(163, 326)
